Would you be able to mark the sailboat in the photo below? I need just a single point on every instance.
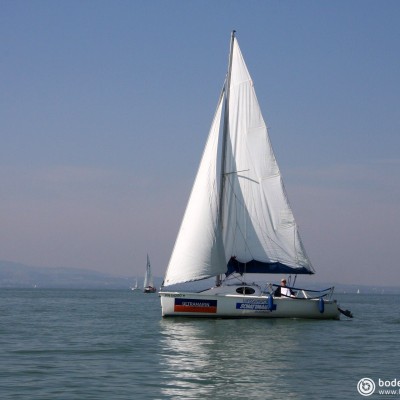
(148, 284)
(135, 287)
(238, 221)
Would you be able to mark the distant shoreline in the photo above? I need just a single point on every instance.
(15, 275)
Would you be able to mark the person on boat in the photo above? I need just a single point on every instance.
(282, 290)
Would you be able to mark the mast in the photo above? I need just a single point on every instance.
(225, 137)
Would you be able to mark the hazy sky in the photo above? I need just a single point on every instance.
(105, 107)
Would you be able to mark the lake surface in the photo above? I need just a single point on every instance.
(113, 344)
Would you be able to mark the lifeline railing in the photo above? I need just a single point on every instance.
(300, 293)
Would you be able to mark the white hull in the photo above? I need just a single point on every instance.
(226, 305)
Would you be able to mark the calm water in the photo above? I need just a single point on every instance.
(78, 344)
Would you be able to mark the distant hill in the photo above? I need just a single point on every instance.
(16, 275)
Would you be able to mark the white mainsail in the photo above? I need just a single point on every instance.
(257, 224)
(258, 221)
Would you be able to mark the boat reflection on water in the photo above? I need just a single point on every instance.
(227, 358)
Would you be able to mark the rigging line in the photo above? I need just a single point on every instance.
(236, 172)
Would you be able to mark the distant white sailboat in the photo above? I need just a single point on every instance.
(238, 221)
(135, 287)
(148, 285)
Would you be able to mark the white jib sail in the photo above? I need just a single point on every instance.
(258, 221)
(198, 251)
